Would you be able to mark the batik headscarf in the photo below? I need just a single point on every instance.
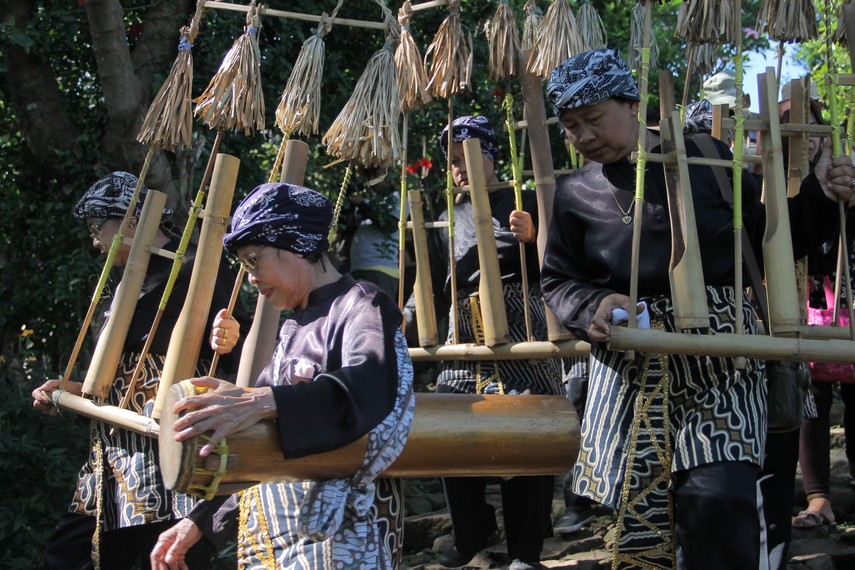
(472, 127)
(111, 196)
(285, 216)
(699, 117)
(590, 78)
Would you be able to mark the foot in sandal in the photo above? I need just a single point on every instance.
(811, 519)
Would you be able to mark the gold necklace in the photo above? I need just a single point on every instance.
(627, 214)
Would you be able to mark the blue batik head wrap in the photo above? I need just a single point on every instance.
(111, 196)
(590, 78)
(285, 216)
(472, 127)
(699, 117)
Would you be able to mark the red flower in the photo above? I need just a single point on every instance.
(422, 164)
(498, 93)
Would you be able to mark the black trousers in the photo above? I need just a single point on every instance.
(70, 546)
(717, 523)
(526, 508)
(778, 485)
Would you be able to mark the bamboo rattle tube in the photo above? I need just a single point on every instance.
(490, 294)
(111, 341)
(261, 339)
(186, 340)
(423, 287)
(504, 436)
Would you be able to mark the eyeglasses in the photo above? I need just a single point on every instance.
(250, 260)
(95, 228)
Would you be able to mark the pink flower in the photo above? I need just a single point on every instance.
(751, 33)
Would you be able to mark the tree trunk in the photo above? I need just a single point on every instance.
(34, 92)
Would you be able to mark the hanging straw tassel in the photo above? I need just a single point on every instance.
(451, 56)
(702, 21)
(840, 32)
(504, 38)
(412, 78)
(300, 104)
(366, 129)
(636, 36)
(233, 98)
(532, 24)
(591, 28)
(557, 40)
(789, 20)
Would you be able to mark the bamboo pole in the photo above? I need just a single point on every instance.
(490, 293)
(115, 416)
(108, 350)
(215, 360)
(293, 15)
(260, 342)
(423, 287)
(509, 351)
(186, 339)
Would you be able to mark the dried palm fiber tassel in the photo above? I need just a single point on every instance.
(366, 129)
(708, 21)
(233, 99)
(591, 28)
(557, 39)
(636, 35)
(840, 32)
(788, 20)
(504, 39)
(531, 26)
(169, 121)
(450, 53)
(300, 104)
(412, 78)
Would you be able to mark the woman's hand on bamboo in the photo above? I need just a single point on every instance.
(223, 409)
(225, 332)
(522, 226)
(836, 176)
(172, 545)
(600, 329)
(42, 400)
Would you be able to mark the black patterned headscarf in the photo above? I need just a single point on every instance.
(111, 196)
(590, 78)
(699, 117)
(285, 216)
(468, 127)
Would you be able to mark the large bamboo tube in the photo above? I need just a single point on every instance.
(423, 287)
(490, 295)
(510, 351)
(186, 340)
(451, 435)
(111, 341)
(260, 341)
(777, 243)
(730, 345)
(685, 271)
(534, 112)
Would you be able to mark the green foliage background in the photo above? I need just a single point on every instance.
(47, 270)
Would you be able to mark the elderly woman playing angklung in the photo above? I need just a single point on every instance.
(340, 370)
(716, 415)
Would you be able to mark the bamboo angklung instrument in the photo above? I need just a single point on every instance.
(186, 339)
(780, 271)
(260, 342)
(491, 297)
(526, 435)
(108, 350)
(450, 73)
(641, 163)
(685, 271)
(232, 100)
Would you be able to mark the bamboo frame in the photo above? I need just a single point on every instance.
(423, 287)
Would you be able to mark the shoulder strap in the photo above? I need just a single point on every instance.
(755, 276)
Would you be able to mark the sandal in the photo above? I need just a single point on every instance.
(811, 519)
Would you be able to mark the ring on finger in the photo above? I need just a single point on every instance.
(853, 182)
